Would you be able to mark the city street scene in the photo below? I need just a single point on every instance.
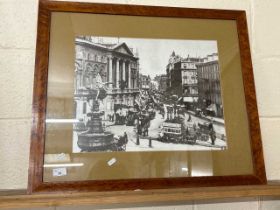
(147, 95)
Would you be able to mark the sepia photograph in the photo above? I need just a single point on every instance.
(136, 94)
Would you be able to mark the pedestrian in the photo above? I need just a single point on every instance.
(210, 126)
(213, 137)
(212, 132)
(162, 113)
(194, 126)
(190, 118)
(109, 117)
(125, 137)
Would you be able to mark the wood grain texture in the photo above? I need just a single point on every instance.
(36, 183)
(250, 98)
(137, 197)
(39, 99)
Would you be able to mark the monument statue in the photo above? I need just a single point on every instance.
(95, 138)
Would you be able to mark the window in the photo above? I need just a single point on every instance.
(84, 107)
(84, 55)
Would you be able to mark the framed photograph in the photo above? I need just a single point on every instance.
(141, 97)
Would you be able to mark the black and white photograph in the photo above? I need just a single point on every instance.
(139, 94)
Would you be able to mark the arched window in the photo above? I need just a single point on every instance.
(103, 73)
(95, 70)
(87, 79)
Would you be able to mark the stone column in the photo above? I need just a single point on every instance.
(80, 78)
(117, 73)
(123, 70)
(129, 75)
(110, 71)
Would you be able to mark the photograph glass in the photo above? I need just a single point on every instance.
(131, 98)
(140, 94)
(124, 102)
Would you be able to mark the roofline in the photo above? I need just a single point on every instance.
(112, 50)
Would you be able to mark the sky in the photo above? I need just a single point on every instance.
(154, 53)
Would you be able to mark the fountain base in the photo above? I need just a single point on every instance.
(96, 142)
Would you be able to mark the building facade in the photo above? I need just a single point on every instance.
(182, 78)
(111, 65)
(162, 82)
(189, 76)
(173, 75)
(144, 82)
(209, 87)
(189, 80)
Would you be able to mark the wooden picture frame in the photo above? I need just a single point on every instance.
(36, 172)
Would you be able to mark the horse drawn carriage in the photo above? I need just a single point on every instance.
(120, 142)
(120, 111)
(206, 131)
(144, 123)
(131, 117)
(189, 133)
(120, 119)
(171, 132)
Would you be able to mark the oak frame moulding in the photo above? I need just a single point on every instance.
(36, 171)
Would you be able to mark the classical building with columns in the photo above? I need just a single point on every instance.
(115, 65)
